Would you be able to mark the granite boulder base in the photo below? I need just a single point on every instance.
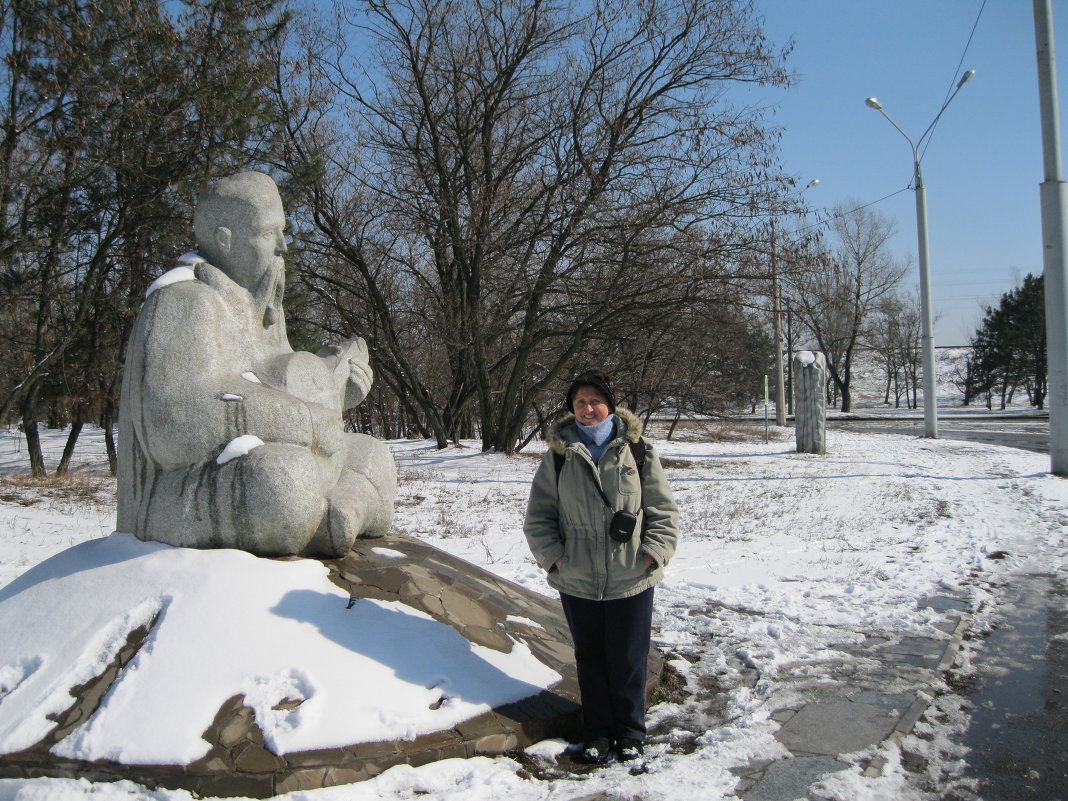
(485, 609)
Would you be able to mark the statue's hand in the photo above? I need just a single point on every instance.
(360, 380)
(351, 369)
(360, 376)
(354, 350)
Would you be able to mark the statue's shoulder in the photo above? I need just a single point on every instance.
(193, 280)
(189, 298)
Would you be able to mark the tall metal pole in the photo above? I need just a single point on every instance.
(927, 349)
(782, 396)
(1054, 198)
(930, 369)
(780, 381)
(930, 366)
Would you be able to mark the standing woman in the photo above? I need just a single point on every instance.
(603, 530)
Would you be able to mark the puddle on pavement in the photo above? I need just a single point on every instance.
(1019, 723)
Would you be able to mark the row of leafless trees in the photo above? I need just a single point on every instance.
(494, 193)
(851, 299)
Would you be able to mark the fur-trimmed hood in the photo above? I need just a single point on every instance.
(558, 437)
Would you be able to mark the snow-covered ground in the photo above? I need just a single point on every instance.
(784, 559)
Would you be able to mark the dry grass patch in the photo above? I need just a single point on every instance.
(76, 488)
(720, 430)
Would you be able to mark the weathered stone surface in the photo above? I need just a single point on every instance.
(810, 402)
(496, 743)
(847, 726)
(227, 437)
(335, 776)
(237, 727)
(494, 638)
(252, 758)
(791, 778)
(303, 779)
(213, 764)
(465, 611)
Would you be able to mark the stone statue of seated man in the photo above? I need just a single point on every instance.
(227, 437)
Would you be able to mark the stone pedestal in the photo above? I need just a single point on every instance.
(810, 401)
(486, 609)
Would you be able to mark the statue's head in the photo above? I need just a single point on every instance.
(238, 223)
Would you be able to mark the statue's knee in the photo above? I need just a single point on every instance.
(373, 460)
(279, 497)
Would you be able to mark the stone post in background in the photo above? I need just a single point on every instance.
(810, 401)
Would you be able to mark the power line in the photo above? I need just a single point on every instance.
(833, 217)
(956, 74)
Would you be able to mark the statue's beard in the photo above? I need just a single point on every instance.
(268, 293)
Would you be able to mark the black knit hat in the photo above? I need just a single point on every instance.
(602, 382)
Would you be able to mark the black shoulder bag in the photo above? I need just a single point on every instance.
(621, 529)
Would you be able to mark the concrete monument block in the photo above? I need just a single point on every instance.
(227, 437)
(810, 401)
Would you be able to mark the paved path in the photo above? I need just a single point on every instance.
(875, 693)
(875, 697)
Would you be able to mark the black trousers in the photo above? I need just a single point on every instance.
(611, 650)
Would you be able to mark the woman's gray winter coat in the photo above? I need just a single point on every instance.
(567, 516)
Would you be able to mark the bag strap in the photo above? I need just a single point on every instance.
(637, 450)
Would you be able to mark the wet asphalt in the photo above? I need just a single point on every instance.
(1018, 735)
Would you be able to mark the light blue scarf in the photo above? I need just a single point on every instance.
(596, 437)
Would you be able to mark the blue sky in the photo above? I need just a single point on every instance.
(984, 164)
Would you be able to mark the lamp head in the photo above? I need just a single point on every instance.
(967, 76)
(873, 103)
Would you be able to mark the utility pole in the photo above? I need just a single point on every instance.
(1054, 196)
(782, 399)
(780, 384)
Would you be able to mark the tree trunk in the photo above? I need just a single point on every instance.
(107, 422)
(72, 439)
(674, 423)
(33, 436)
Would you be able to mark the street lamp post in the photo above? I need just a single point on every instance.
(776, 311)
(930, 370)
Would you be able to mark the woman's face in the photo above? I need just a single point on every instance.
(590, 406)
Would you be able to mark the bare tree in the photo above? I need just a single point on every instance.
(835, 300)
(893, 334)
(512, 183)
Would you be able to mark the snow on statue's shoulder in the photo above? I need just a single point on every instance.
(190, 259)
(173, 276)
(182, 272)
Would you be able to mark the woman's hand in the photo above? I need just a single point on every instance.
(649, 561)
(557, 563)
